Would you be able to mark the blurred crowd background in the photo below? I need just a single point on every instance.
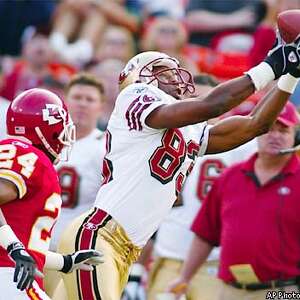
(45, 42)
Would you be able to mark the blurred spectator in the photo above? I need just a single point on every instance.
(108, 72)
(252, 212)
(16, 15)
(121, 12)
(53, 85)
(77, 18)
(80, 176)
(34, 68)
(264, 35)
(84, 22)
(168, 35)
(232, 52)
(206, 18)
(117, 43)
(3, 109)
(172, 8)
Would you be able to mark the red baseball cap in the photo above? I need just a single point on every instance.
(289, 116)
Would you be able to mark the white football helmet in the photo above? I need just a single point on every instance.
(140, 68)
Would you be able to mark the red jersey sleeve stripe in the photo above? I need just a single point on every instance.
(140, 113)
(136, 122)
(128, 112)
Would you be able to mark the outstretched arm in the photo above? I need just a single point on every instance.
(235, 131)
(229, 94)
(191, 111)
(82, 259)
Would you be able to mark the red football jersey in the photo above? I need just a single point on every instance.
(34, 213)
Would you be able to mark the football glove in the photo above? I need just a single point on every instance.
(25, 268)
(83, 260)
(284, 58)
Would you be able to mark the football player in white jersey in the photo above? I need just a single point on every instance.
(80, 176)
(152, 141)
(173, 237)
(135, 288)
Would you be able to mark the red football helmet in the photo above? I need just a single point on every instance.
(41, 117)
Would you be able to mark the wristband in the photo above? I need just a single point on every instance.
(54, 261)
(261, 75)
(67, 264)
(287, 83)
(7, 236)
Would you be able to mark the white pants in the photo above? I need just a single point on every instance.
(8, 288)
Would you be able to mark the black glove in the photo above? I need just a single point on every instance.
(83, 260)
(284, 58)
(25, 265)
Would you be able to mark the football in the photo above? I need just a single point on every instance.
(289, 24)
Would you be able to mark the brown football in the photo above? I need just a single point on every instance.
(289, 24)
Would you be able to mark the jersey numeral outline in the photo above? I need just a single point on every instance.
(26, 161)
(209, 171)
(69, 181)
(168, 158)
(41, 230)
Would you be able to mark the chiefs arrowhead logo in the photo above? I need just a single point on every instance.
(53, 114)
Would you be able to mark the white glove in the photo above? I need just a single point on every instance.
(82, 259)
(134, 289)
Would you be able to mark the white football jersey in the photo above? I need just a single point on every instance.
(144, 168)
(80, 179)
(174, 237)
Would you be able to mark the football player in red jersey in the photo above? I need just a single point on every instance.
(39, 126)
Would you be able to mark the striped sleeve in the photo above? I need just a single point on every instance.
(136, 102)
(203, 142)
(138, 110)
(16, 179)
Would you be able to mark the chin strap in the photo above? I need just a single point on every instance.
(45, 143)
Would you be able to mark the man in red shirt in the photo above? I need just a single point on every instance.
(39, 126)
(252, 212)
